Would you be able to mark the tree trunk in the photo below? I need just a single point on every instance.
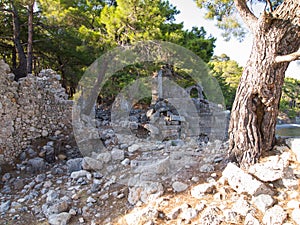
(21, 70)
(30, 37)
(256, 106)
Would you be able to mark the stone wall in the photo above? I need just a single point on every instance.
(34, 107)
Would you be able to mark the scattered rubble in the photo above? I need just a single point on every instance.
(74, 192)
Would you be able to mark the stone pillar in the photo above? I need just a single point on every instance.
(157, 90)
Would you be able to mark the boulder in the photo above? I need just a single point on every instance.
(74, 164)
(91, 164)
(59, 219)
(117, 154)
(263, 202)
(296, 216)
(242, 182)
(269, 171)
(274, 215)
(202, 189)
(36, 164)
(179, 186)
(294, 144)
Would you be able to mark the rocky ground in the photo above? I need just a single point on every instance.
(149, 182)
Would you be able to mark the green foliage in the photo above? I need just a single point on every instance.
(128, 23)
(228, 74)
(69, 35)
(225, 13)
(290, 100)
(7, 48)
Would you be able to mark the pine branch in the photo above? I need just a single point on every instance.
(248, 17)
(288, 58)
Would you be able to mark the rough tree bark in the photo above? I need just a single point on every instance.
(30, 36)
(21, 69)
(255, 109)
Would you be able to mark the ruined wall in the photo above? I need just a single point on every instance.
(33, 107)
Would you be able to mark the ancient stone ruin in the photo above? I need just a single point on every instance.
(133, 181)
(173, 113)
(34, 107)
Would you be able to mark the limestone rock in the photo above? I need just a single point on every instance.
(81, 173)
(117, 154)
(134, 148)
(274, 215)
(242, 182)
(179, 186)
(145, 192)
(290, 183)
(91, 164)
(188, 214)
(36, 164)
(294, 144)
(74, 164)
(104, 157)
(206, 168)
(56, 208)
(174, 213)
(59, 219)
(293, 204)
(4, 67)
(5, 206)
(141, 216)
(296, 216)
(158, 167)
(51, 196)
(202, 189)
(263, 202)
(211, 216)
(251, 220)
(232, 217)
(269, 171)
(241, 206)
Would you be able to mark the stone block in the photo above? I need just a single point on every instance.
(242, 182)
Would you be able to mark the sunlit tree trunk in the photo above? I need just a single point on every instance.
(255, 109)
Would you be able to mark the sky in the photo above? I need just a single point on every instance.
(191, 15)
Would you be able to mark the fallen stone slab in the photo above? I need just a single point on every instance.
(242, 182)
(269, 171)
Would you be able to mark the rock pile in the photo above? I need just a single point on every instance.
(131, 186)
(33, 107)
(96, 189)
(163, 120)
(267, 194)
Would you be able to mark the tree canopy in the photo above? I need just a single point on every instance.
(69, 35)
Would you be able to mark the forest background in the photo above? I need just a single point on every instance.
(68, 35)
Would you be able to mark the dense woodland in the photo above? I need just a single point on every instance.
(68, 35)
